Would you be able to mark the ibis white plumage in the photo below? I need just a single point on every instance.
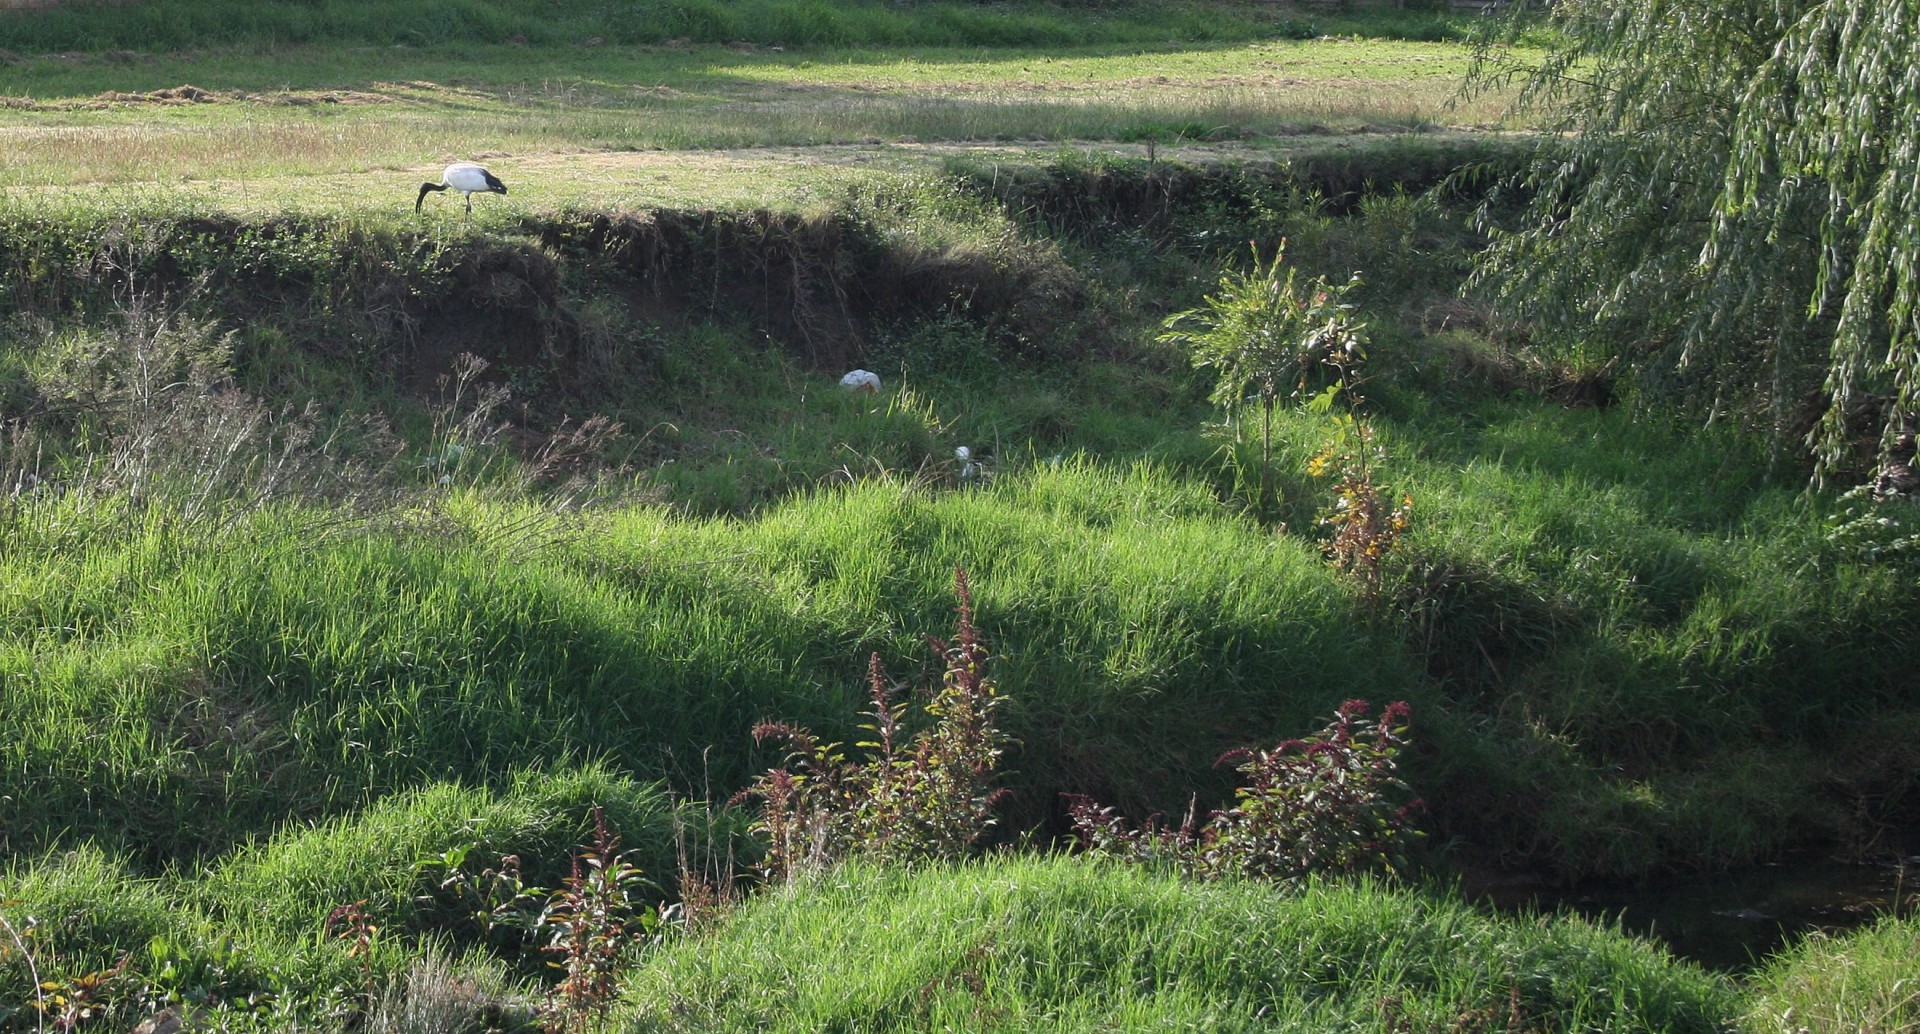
(861, 380)
(465, 177)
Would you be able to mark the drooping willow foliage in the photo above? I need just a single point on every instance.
(1726, 199)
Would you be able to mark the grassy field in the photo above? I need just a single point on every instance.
(79, 28)
(343, 549)
(276, 127)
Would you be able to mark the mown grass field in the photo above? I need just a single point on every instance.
(273, 129)
(297, 602)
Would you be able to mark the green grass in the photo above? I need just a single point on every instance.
(376, 855)
(787, 23)
(1862, 982)
(270, 673)
(257, 660)
(1068, 945)
(565, 124)
(252, 927)
(1140, 633)
(1609, 625)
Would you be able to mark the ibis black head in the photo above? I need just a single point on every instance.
(429, 188)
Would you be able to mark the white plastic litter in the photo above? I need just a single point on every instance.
(861, 380)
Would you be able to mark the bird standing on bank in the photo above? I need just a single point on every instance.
(465, 177)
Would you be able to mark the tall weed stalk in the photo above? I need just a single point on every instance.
(591, 920)
(928, 795)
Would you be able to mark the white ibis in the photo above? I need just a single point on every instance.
(465, 177)
(861, 380)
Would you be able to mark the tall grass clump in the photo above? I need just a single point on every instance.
(1067, 945)
(112, 949)
(339, 919)
(71, 925)
(1862, 982)
(1651, 608)
(144, 412)
(385, 856)
(297, 667)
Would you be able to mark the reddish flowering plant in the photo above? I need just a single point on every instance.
(353, 924)
(590, 921)
(587, 925)
(1324, 804)
(929, 795)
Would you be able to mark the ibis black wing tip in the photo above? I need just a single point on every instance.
(493, 182)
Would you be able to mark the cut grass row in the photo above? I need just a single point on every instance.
(101, 175)
(577, 77)
(200, 24)
(275, 126)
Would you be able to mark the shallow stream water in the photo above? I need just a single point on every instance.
(1726, 921)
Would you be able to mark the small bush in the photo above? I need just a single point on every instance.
(1363, 522)
(1268, 337)
(930, 797)
(1318, 805)
(589, 921)
(586, 925)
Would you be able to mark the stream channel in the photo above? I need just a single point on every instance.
(1725, 921)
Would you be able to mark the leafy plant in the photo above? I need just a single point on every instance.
(20, 938)
(586, 924)
(1875, 530)
(1324, 804)
(497, 898)
(81, 1000)
(928, 796)
(1363, 529)
(1269, 337)
(590, 920)
(353, 924)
